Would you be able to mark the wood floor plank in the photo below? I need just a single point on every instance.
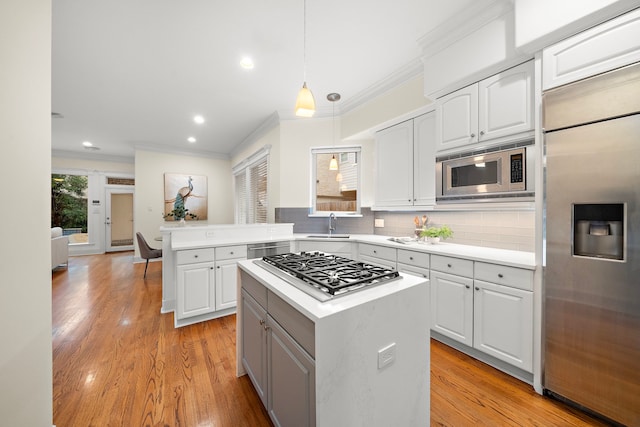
(118, 362)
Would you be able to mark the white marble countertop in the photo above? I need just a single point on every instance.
(315, 309)
(475, 253)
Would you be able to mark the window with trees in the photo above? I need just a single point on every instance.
(69, 205)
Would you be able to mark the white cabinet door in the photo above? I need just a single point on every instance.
(605, 47)
(394, 165)
(291, 379)
(254, 344)
(506, 103)
(424, 159)
(503, 323)
(195, 290)
(457, 118)
(452, 306)
(226, 283)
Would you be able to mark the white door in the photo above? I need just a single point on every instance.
(119, 220)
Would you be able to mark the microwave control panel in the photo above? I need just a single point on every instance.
(517, 168)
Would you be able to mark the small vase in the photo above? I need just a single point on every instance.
(434, 240)
(181, 222)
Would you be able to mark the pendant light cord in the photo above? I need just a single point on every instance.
(304, 40)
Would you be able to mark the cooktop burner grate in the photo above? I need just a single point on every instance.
(331, 274)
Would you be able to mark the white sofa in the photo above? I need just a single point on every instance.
(59, 248)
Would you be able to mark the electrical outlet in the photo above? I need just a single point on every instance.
(378, 223)
(386, 355)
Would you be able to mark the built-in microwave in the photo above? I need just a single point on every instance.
(486, 175)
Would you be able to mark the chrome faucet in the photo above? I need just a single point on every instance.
(332, 223)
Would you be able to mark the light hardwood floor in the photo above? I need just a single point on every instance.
(118, 362)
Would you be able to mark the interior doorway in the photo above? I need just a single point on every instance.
(119, 220)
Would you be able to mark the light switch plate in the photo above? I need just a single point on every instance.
(386, 355)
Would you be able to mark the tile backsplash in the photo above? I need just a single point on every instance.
(494, 229)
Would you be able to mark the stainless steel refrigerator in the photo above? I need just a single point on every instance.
(591, 285)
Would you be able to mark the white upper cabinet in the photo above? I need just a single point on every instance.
(424, 160)
(457, 118)
(492, 110)
(506, 103)
(405, 160)
(394, 161)
(614, 44)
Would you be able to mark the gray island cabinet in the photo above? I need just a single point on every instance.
(359, 359)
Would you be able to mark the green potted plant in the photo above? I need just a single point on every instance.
(435, 234)
(179, 214)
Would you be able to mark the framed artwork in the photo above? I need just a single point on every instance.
(185, 197)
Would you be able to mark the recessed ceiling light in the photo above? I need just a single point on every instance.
(191, 139)
(247, 63)
(198, 119)
(87, 144)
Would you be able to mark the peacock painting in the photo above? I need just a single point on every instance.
(185, 197)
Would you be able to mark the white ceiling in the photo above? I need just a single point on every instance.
(134, 73)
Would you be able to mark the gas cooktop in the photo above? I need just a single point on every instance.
(325, 276)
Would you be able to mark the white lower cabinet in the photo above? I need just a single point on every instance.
(485, 306)
(195, 283)
(452, 306)
(502, 321)
(335, 247)
(227, 258)
(413, 262)
(375, 254)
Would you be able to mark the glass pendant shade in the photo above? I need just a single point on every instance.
(333, 164)
(305, 104)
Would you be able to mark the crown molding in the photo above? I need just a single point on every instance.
(170, 150)
(477, 15)
(66, 154)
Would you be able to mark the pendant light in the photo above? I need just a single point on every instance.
(333, 97)
(305, 104)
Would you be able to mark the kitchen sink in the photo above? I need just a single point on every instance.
(330, 236)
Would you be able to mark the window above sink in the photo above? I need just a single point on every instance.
(335, 189)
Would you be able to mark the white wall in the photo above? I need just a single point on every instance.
(297, 137)
(540, 23)
(148, 205)
(401, 103)
(25, 168)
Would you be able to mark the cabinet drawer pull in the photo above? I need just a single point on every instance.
(195, 256)
(467, 286)
(477, 288)
(218, 267)
(231, 253)
(481, 132)
(500, 275)
(210, 268)
(411, 258)
(262, 322)
(375, 252)
(449, 265)
(473, 135)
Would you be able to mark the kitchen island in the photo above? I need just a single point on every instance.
(357, 359)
